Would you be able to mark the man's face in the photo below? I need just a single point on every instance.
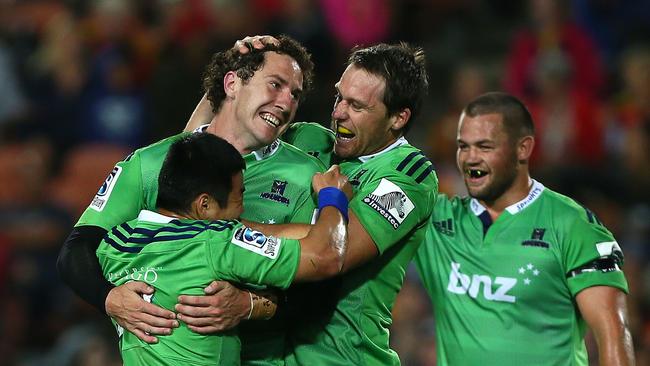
(267, 103)
(359, 117)
(235, 205)
(486, 157)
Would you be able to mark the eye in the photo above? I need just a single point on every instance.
(462, 146)
(275, 84)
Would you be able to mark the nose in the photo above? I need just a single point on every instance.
(284, 100)
(340, 111)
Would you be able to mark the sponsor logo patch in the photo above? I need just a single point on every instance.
(99, 202)
(390, 201)
(256, 242)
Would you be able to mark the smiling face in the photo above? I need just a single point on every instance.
(486, 157)
(360, 116)
(267, 102)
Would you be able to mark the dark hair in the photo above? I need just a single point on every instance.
(197, 163)
(403, 67)
(247, 64)
(517, 121)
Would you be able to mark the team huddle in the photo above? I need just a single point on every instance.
(248, 239)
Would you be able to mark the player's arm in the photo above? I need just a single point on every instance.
(323, 246)
(201, 115)
(79, 268)
(604, 309)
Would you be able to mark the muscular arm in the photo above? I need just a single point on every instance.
(289, 231)
(605, 311)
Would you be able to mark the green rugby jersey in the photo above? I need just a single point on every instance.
(506, 297)
(181, 257)
(277, 179)
(394, 196)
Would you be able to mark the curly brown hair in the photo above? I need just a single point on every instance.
(247, 64)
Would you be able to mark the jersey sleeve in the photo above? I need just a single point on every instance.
(586, 244)
(120, 197)
(390, 207)
(313, 139)
(251, 257)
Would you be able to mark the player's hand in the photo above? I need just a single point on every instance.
(126, 305)
(222, 308)
(332, 178)
(258, 42)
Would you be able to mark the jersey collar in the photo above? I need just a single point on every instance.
(536, 189)
(400, 141)
(259, 154)
(150, 216)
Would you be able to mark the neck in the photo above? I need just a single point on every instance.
(517, 192)
(173, 214)
(225, 125)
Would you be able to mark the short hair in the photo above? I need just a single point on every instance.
(403, 68)
(195, 164)
(517, 121)
(247, 64)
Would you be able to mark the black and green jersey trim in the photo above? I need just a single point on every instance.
(417, 165)
(125, 234)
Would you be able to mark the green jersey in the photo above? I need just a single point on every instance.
(503, 292)
(181, 257)
(394, 196)
(278, 190)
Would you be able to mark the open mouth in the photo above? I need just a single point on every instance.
(344, 133)
(270, 119)
(475, 173)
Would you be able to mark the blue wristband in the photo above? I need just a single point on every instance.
(331, 196)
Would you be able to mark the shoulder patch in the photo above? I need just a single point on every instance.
(99, 202)
(390, 201)
(256, 242)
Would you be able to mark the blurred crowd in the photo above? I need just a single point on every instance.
(82, 83)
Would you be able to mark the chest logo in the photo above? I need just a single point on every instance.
(277, 192)
(536, 239)
(445, 227)
(390, 201)
(355, 180)
(494, 288)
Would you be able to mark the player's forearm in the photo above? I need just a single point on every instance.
(289, 231)
(202, 114)
(615, 347)
(78, 266)
(264, 304)
(325, 246)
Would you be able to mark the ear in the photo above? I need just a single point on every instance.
(400, 119)
(525, 148)
(230, 84)
(204, 206)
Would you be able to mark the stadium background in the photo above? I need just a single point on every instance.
(84, 82)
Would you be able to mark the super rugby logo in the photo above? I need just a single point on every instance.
(99, 202)
(256, 242)
(390, 201)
